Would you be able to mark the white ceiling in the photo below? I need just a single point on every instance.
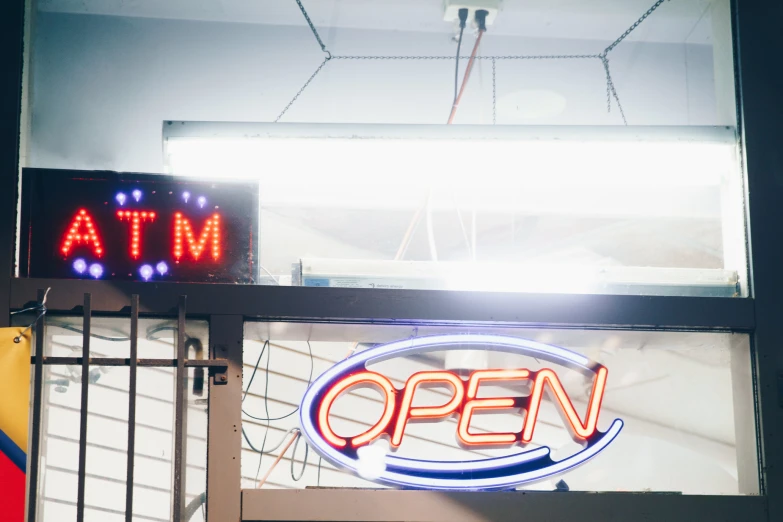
(675, 21)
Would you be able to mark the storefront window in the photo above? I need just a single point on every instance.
(582, 158)
(685, 402)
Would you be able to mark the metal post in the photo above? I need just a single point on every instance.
(224, 444)
(84, 408)
(33, 468)
(180, 424)
(11, 62)
(134, 360)
(758, 33)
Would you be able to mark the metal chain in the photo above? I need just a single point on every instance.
(312, 27)
(453, 57)
(611, 91)
(494, 94)
(611, 88)
(605, 63)
(541, 57)
(303, 88)
(631, 29)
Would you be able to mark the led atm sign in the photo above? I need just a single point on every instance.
(97, 225)
(526, 465)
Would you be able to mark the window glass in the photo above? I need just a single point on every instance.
(588, 152)
(685, 402)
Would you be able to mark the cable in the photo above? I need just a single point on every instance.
(266, 411)
(318, 483)
(293, 458)
(309, 381)
(255, 369)
(277, 460)
(194, 505)
(270, 450)
(481, 16)
(431, 230)
(275, 281)
(149, 337)
(463, 18)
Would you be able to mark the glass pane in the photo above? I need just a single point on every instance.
(684, 401)
(107, 428)
(580, 159)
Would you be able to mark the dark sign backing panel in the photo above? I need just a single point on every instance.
(141, 227)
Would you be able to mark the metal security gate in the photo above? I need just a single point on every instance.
(217, 368)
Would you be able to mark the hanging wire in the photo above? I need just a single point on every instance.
(296, 96)
(611, 90)
(263, 451)
(270, 450)
(312, 27)
(494, 98)
(42, 307)
(149, 337)
(456, 67)
(294, 477)
(266, 411)
(309, 380)
(632, 28)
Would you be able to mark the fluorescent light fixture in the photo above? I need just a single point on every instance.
(658, 171)
(507, 277)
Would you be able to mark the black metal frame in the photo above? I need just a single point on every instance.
(760, 80)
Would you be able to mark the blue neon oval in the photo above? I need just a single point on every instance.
(478, 474)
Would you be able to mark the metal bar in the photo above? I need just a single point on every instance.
(217, 364)
(84, 407)
(757, 36)
(522, 133)
(134, 360)
(180, 426)
(394, 306)
(11, 63)
(224, 444)
(425, 506)
(35, 436)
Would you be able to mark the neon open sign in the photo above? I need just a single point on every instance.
(524, 466)
(140, 227)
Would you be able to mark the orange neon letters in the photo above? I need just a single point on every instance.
(341, 386)
(426, 412)
(501, 403)
(465, 402)
(578, 429)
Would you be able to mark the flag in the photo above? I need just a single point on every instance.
(14, 415)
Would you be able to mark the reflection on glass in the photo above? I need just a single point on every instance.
(638, 217)
(685, 400)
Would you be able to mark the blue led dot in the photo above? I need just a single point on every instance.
(96, 270)
(163, 268)
(80, 265)
(146, 272)
(121, 198)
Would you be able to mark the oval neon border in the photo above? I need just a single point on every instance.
(430, 474)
